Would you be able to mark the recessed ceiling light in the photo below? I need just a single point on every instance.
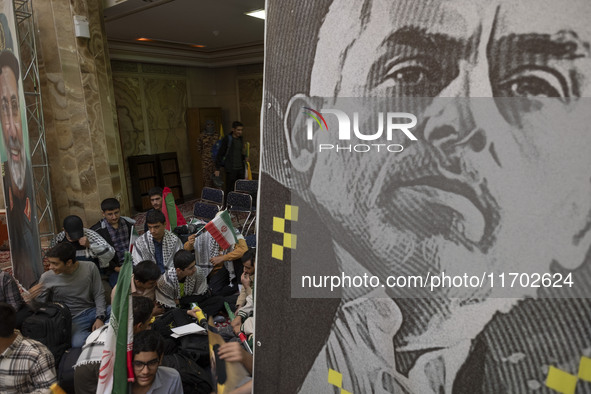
(257, 14)
(170, 42)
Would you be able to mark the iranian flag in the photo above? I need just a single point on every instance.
(222, 230)
(116, 369)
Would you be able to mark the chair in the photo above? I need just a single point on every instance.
(247, 186)
(205, 211)
(211, 195)
(239, 205)
(250, 187)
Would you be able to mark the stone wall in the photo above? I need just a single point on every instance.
(83, 143)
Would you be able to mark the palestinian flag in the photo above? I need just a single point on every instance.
(172, 213)
(222, 230)
(116, 368)
(132, 238)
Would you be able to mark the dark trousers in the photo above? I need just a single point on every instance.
(231, 177)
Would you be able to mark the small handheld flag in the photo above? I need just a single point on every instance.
(221, 229)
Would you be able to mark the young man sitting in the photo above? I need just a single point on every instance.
(157, 195)
(143, 282)
(150, 377)
(86, 372)
(158, 244)
(244, 320)
(116, 230)
(184, 283)
(26, 366)
(78, 285)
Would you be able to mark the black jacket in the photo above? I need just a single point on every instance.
(224, 156)
(100, 228)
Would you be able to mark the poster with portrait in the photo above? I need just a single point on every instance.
(425, 215)
(17, 175)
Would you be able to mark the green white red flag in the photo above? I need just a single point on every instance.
(172, 213)
(221, 230)
(116, 369)
(132, 238)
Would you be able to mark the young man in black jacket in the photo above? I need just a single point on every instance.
(116, 230)
(231, 156)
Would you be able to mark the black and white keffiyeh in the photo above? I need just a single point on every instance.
(169, 289)
(144, 249)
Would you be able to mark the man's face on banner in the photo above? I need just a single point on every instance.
(12, 127)
(490, 184)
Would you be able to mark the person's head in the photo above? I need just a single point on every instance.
(62, 258)
(148, 348)
(184, 263)
(155, 195)
(459, 199)
(111, 210)
(237, 128)
(7, 320)
(156, 222)
(10, 114)
(74, 228)
(145, 275)
(248, 262)
(142, 313)
(209, 126)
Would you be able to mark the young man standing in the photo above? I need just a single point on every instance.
(158, 244)
(150, 377)
(116, 230)
(26, 366)
(77, 284)
(231, 156)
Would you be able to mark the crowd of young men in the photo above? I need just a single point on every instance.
(84, 265)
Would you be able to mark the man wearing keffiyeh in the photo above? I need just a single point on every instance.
(158, 244)
(184, 284)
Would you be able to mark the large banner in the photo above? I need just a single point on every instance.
(19, 195)
(425, 216)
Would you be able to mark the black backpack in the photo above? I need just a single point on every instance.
(51, 324)
(194, 378)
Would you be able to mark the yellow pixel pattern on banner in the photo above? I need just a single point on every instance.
(566, 383)
(336, 379)
(289, 239)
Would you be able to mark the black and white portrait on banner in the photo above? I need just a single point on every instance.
(21, 209)
(489, 180)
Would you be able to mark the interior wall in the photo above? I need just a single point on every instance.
(152, 101)
(81, 126)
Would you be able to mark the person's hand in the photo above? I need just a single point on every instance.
(217, 259)
(232, 352)
(33, 292)
(84, 242)
(236, 323)
(192, 238)
(158, 310)
(193, 313)
(245, 279)
(216, 173)
(117, 269)
(98, 323)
